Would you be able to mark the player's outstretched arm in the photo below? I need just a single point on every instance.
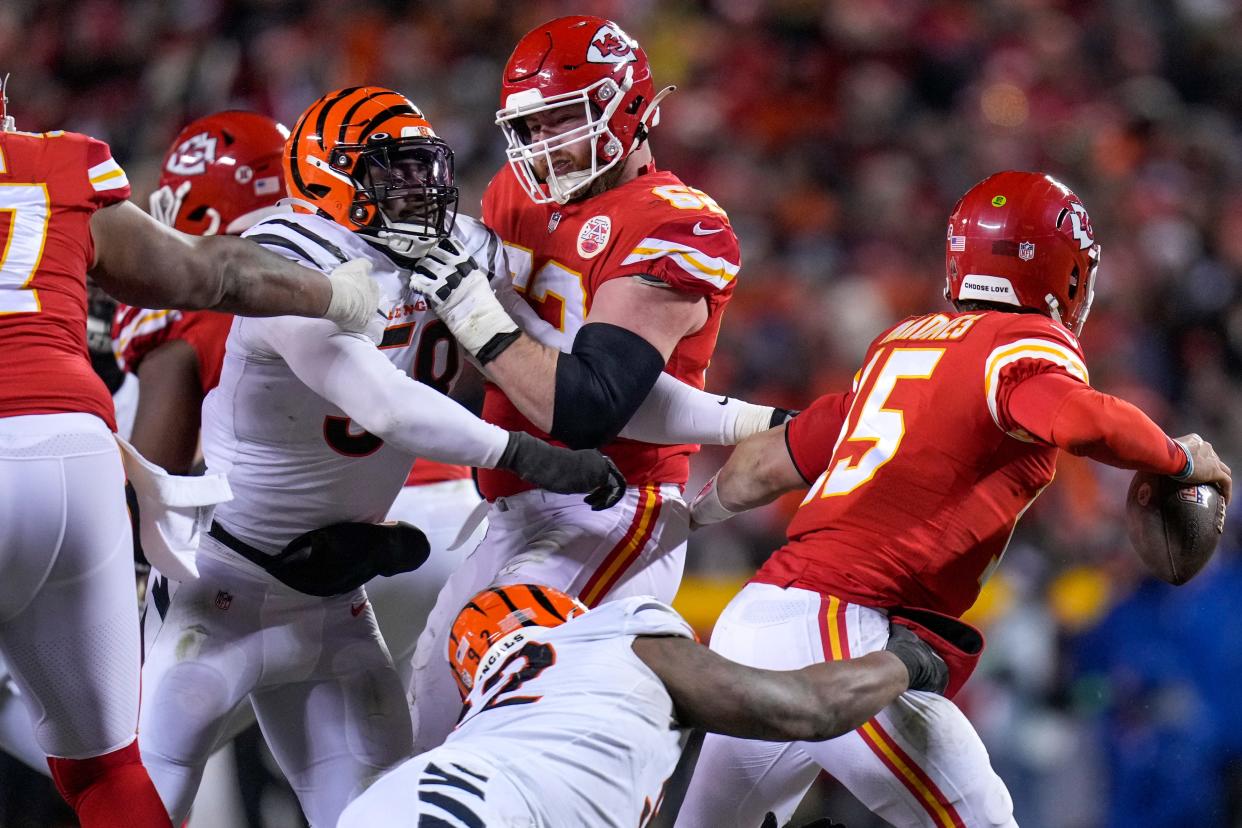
(347, 370)
(672, 412)
(1072, 415)
(759, 471)
(585, 395)
(818, 702)
(143, 263)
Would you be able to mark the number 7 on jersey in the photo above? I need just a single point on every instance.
(24, 213)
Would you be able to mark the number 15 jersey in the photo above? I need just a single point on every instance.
(920, 471)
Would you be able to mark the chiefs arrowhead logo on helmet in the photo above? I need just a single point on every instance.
(193, 155)
(610, 45)
(1078, 223)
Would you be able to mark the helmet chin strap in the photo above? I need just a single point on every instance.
(650, 116)
(1054, 308)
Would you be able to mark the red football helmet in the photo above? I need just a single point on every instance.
(495, 619)
(591, 65)
(222, 174)
(1024, 239)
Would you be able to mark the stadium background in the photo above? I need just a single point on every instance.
(838, 136)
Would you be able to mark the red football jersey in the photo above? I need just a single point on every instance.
(559, 255)
(425, 472)
(137, 332)
(50, 186)
(920, 473)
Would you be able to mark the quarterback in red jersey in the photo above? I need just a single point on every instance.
(921, 470)
(68, 621)
(632, 269)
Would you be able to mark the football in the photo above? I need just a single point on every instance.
(1173, 527)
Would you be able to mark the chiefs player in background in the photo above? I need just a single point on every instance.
(68, 620)
(633, 269)
(920, 471)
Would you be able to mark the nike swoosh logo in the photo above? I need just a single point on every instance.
(356, 611)
(699, 230)
(722, 401)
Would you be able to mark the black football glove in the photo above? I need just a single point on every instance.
(338, 559)
(562, 470)
(928, 671)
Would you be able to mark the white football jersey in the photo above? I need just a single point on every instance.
(294, 460)
(577, 721)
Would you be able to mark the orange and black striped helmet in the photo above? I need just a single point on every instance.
(366, 158)
(493, 617)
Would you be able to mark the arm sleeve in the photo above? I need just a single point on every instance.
(675, 412)
(348, 371)
(1056, 409)
(811, 437)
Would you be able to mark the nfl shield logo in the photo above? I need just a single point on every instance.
(1026, 251)
(223, 600)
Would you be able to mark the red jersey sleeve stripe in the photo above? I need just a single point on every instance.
(1037, 349)
(716, 270)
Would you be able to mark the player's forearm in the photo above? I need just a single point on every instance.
(817, 702)
(675, 412)
(145, 264)
(250, 280)
(526, 372)
(1085, 422)
(758, 472)
(845, 694)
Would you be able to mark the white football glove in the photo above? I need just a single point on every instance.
(459, 292)
(165, 203)
(355, 297)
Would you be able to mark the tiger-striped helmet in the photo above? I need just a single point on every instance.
(493, 621)
(366, 158)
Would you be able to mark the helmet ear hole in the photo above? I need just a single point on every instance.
(318, 190)
(1074, 279)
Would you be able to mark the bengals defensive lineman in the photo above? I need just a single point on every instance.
(68, 620)
(634, 269)
(920, 471)
(577, 717)
(318, 429)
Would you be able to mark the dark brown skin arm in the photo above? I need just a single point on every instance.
(818, 702)
(143, 263)
(170, 401)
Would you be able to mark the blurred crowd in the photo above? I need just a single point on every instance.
(838, 136)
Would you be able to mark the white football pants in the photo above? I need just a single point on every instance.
(918, 763)
(316, 670)
(68, 618)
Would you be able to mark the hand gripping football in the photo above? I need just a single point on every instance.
(1173, 526)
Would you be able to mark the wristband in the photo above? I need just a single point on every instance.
(1189, 468)
(707, 507)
